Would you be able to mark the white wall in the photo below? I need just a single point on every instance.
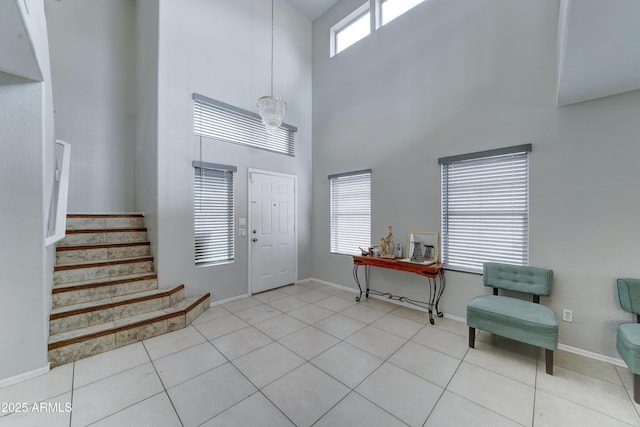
(221, 50)
(450, 77)
(146, 153)
(26, 182)
(21, 225)
(93, 61)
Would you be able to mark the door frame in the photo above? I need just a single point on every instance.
(250, 222)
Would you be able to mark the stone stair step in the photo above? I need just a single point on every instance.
(101, 270)
(96, 289)
(67, 318)
(104, 221)
(66, 255)
(104, 236)
(79, 343)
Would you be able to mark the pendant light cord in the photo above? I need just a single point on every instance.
(272, 1)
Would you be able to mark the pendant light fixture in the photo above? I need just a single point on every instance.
(271, 108)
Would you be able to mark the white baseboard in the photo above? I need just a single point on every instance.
(564, 347)
(592, 355)
(456, 318)
(224, 301)
(25, 376)
(324, 282)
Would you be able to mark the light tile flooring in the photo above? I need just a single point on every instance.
(309, 355)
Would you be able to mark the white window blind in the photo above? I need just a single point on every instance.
(217, 120)
(485, 208)
(350, 214)
(213, 213)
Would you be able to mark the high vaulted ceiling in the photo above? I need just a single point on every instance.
(598, 49)
(312, 9)
(598, 46)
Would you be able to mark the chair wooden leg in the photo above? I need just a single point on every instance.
(548, 360)
(472, 337)
(636, 388)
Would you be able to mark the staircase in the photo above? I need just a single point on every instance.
(105, 290)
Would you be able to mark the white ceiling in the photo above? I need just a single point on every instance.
(312, 9)
(599, 49)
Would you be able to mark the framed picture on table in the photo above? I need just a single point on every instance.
(422, 247)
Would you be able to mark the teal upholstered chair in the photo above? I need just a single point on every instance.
(628, 336)
(514, 318)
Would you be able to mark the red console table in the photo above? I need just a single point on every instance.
(433, 272)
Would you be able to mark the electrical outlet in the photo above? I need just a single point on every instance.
(567, 315)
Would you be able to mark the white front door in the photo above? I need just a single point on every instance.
(272, 232)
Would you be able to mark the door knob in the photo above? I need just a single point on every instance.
(254, 239)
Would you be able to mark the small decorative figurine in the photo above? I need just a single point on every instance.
(386, 245)
(398, 251)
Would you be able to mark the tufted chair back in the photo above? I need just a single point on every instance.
(530, 280)
(629, 295)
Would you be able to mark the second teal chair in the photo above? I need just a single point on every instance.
(628, 336)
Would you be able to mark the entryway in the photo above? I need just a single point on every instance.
(272, 230)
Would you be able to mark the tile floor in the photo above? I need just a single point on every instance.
(310, 355)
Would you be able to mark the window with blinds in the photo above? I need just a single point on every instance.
(213, 213)
(485, 208)
(217, 120)
(350, 212)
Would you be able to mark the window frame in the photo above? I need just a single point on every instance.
(372, 7)
(380, 14)
(210, 224)
(345, 23)
(504, 220)
(340, 185)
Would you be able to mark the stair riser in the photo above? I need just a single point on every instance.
(73, 352)
(92, 294)
(80, 321)
(90, 347)
(103, 238)
(102, 272)
(100, 254)
(198, 310)
(93, 318)
(95, 346)
(102, 223)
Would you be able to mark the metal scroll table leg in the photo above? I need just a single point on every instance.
(432, 298)
(440, 292)
(355, 277)
(367, 278)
